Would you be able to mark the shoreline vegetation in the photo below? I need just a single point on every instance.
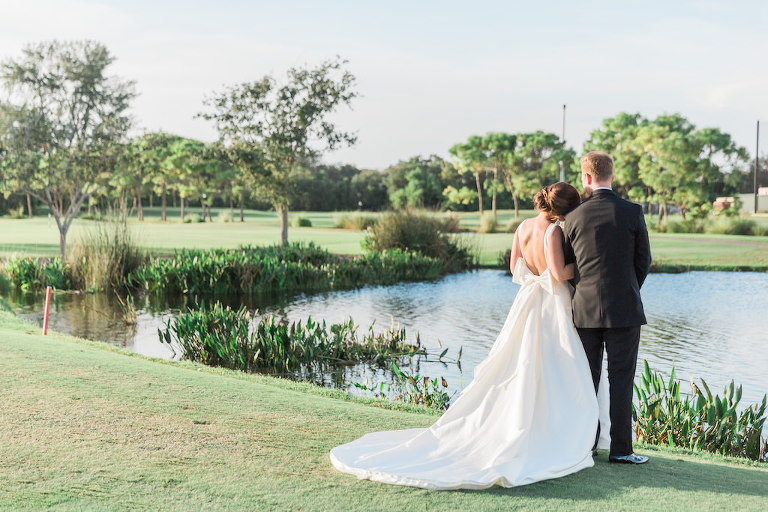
(672, 252)
(122, 429)
(220, 336)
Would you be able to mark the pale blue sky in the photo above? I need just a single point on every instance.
(432, 73)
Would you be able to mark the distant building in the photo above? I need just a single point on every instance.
(748, 201)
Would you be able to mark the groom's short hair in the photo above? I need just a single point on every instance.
(597, 164)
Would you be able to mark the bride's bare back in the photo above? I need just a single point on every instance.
(529, 244)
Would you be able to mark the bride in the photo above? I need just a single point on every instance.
(531, 412)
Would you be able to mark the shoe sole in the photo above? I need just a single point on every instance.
(623, 461)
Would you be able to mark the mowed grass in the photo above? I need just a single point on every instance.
(90, 427)
(39, 237)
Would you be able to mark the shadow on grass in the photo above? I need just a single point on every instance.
(664, 473)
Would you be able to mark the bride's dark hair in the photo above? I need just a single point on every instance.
(557, 199)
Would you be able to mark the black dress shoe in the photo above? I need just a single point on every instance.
(628, 459)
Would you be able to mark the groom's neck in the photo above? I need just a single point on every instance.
(591, 188)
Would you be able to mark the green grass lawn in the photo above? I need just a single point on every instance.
(86, 426)
(39, 237)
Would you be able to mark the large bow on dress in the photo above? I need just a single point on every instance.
(524, 277)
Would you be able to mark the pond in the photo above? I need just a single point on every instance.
(708, 324)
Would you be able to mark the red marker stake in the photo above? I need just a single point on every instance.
(47, 308)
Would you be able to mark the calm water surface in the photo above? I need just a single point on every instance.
(708, 324)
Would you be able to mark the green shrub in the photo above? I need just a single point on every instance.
(760, 229)
(16, 213)
(355, 221)
(488, 223)
(513, 225)
(224, 216)
(301, 222)
(220, 336)
(410, 231)
(733, 226)
(449, 223)
(699, 421)
(104, 257)
(257, 270)
(5, 307)
(193, 218)
(503, 260)
(687, 226)
(30, 274)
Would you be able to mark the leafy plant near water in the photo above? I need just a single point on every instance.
(701, 421)
(296, 266)
(128, 312)
(30, 274)
(220, 336)
(412, 389)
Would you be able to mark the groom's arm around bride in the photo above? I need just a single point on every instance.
(608, 238)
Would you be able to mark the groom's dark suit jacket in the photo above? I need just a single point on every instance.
(607, 237)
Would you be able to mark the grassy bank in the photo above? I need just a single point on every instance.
(38, 237)
(92, 427)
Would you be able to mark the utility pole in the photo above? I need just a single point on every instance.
(562, 169)
(757, 158)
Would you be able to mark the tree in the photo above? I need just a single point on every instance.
(500, 148)
(416, 182)
(617, 139)
(276, 127)
(61, 125)
(536, 162)
(154, 150)
(471, 157)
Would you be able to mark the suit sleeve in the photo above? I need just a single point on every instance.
(568, 255)
(642, 250)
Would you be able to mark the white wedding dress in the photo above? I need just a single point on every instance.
(529, 414)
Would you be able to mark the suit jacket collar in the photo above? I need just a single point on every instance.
(602, 192)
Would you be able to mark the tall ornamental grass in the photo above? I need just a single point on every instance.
(701, 421)
(104, 257)
(220, 336)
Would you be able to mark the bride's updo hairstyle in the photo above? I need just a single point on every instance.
(556, 200)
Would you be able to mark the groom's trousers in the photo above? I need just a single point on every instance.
(621, 344)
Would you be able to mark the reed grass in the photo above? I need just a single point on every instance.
(105, 256)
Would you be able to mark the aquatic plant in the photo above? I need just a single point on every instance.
(297, 266)
(236, 339)
(413, 389)
(700, 421)
(128, 312)
(30, 274)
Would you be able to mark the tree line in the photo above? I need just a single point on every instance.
(65, 145)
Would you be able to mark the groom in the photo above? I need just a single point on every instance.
(609, 241)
